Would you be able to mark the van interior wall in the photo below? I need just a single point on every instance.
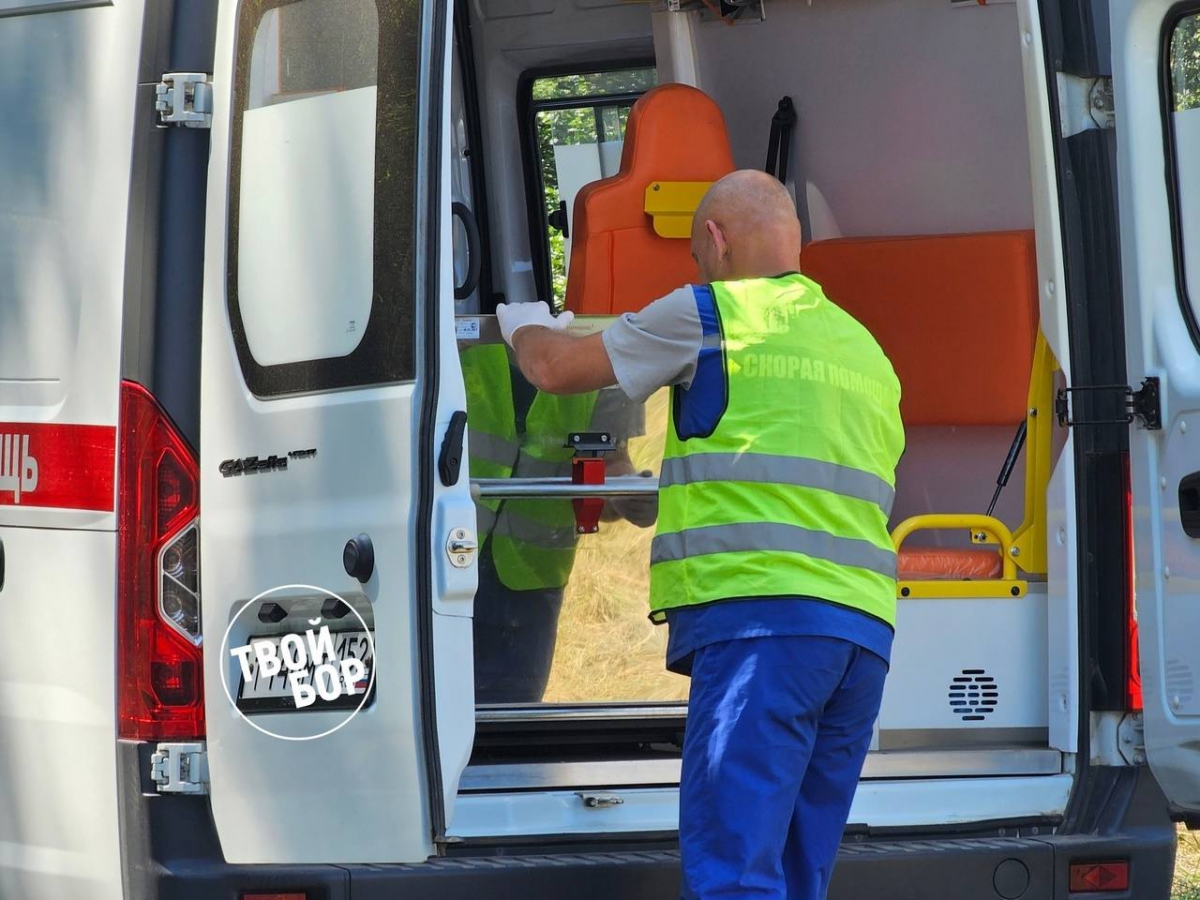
(910, 113)
(910, 121)
(511, 38)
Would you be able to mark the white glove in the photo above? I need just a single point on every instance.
(514, 316)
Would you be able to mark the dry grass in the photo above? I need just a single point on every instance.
(1187, 866)
(607, 649)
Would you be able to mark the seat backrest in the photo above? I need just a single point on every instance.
(618, 263)
(956, 314)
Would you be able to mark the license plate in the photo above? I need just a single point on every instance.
(259, 693)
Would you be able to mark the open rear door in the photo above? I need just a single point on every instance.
(1156, 79)
(327, 283)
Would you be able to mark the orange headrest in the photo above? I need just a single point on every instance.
(956, 314)
(618, 263)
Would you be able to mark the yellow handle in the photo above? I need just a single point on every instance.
(989, 526)
(671, 204)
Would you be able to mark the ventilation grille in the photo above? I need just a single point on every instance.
(974, 695)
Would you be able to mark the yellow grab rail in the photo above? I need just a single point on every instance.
(983, 530)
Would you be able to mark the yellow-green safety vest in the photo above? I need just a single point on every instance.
(780, 463)
(532, 541)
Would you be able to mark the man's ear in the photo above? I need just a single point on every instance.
(718, 238)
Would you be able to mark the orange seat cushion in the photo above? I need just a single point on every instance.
(950, 564)
(956, 314)
(618, 263)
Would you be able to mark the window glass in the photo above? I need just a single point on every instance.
(322, 189)
(595, 84)
(579, 121)
(606, 648)
(562, 618)
(461, 188)
(1185, 126)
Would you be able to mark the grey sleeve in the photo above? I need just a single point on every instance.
(656, 347)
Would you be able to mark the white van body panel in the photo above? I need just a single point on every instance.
(58, 728)
(1167, 560)
(453, 587)
(1062, 604)
(68, 80)
(1047, 221)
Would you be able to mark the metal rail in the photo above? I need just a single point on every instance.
(561, 488)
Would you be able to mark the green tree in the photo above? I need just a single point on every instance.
(1185, 63)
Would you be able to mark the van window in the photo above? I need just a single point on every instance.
(1184, 114)
(579, 125)
(320, 274)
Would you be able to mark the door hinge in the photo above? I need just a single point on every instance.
(1131, 734)
(1143, 404)
(184, 99)
(1085, 104)
(180, 768)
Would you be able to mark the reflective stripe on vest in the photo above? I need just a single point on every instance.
(783, 480)
(534, 546)
(768, 468)
(753, 537)
(490, 448)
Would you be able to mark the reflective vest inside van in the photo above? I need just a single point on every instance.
(780, 462)
(532, 541)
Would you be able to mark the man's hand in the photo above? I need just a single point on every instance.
(551, 359)
(640, 510)
(514, 316)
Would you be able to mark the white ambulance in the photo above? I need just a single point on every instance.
(259, 637)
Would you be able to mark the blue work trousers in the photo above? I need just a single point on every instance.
(778, 728)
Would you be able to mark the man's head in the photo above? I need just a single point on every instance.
(745, 227)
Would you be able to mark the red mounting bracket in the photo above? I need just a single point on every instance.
(587, 467)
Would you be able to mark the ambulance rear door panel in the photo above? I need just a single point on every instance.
(1158, 132)
(319, 377)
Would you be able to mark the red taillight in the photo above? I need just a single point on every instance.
(159, 653)
(1090, 878)
(1133, 667)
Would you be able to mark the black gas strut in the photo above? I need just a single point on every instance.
(1010, 463)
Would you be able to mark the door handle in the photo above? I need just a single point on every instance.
(450, 458)
(1, 565)
(1189, 504)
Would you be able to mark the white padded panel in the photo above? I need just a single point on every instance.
(507, 9)
(953, 470)
(911, 114)
(996, 644)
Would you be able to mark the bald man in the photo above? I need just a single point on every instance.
(772, 563)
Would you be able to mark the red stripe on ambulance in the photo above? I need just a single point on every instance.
(57, 466)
